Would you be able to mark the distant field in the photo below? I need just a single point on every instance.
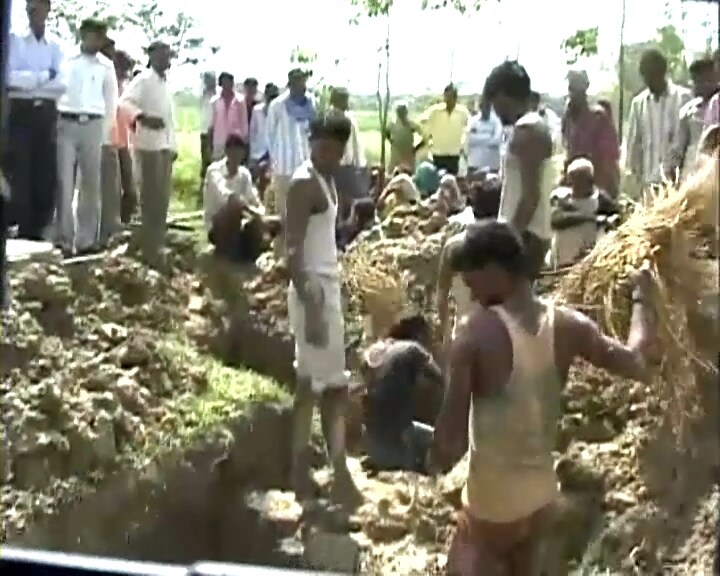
(188, 122)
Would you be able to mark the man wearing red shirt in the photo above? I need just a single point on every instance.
(588, 131)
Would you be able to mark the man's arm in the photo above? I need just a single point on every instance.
(607, 149)
(442, 291)
(300, 202)
(244, 126)
(249, 197)
(451, 433)
(628, 360)
(680, 145)
(271, 122)
(110, 91)
(131, 98)
(532, 146)
(562, 218)
(57, 84)
(633, 161)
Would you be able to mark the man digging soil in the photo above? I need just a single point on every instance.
(315, 307)
(509, 363)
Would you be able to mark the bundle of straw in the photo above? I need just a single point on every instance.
(665, 231)
(376, 286)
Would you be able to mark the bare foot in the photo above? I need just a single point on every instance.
(344, 491)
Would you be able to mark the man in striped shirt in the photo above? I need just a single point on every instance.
(288, 124)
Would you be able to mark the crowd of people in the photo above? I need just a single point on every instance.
(91, 139)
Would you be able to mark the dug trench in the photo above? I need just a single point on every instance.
(225, 496)
(121, 440)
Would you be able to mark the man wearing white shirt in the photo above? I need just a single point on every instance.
(35, 81)
(258, 125)
(149, 99)
(209, 91)
(288, 131)
(234, 215)
(86, 119)
(483, 140)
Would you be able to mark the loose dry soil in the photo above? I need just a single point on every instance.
(105, 366)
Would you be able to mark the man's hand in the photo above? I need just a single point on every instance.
(150, 122)
(642, 280)
(174, 156)
(316, 328)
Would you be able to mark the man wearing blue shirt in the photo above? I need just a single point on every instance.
(35, 82)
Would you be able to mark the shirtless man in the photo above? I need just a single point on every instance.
(509, 363)
(528, 175)
(315, 308)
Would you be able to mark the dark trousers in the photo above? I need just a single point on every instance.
(205, 161)
(4, 200)
(242, 247)
(536, 249)
(128, 199)
(450, 164)
(408, 452)
(30, 163)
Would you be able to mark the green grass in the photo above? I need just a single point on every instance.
(186, 172)
(230, 392)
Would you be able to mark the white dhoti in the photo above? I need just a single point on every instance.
(324, 367)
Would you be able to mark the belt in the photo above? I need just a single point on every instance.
(79, 118)
(33, 102)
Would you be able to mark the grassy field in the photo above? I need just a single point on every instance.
(187, 168)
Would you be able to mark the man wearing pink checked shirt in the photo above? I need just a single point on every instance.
(229, 116)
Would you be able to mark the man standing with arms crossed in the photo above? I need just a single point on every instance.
(529, 176)
(35, 82)
(315, 307)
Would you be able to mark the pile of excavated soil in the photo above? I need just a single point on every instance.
(92, 377)
(635, 499)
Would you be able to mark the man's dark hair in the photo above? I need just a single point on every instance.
(484, 200)
(490, 242)
(450, 88)
(534, 96)
(123, 60)
(271, 87)
(701, 66)
(331, 127)
(509, 78)
(235, 141)
(412, 327)
(250, 82)
(364, 211)
(225, 75)
(93, 25)
(654, 57)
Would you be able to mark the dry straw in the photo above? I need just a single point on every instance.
(667, 230)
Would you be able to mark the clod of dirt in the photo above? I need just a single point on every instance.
(89, 373)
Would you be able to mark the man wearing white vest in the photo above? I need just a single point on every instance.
(315, 307)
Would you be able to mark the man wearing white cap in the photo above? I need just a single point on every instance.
(589, 132)
(575, 211)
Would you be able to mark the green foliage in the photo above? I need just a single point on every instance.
(375, 8)
(582, 44)
(144, 17)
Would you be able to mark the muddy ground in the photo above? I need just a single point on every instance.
(100, 368)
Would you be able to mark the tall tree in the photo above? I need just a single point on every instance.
(582, 44)
(382, 7)
(147, 18)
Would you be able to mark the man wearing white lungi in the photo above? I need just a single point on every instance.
(315, 307)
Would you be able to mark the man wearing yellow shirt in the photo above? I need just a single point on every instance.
(444, 125)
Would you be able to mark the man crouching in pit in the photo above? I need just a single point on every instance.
(315, 308)
(509, 363)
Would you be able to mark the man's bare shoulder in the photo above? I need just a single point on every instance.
(573, 326)
(454, 240)
(481, 329)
